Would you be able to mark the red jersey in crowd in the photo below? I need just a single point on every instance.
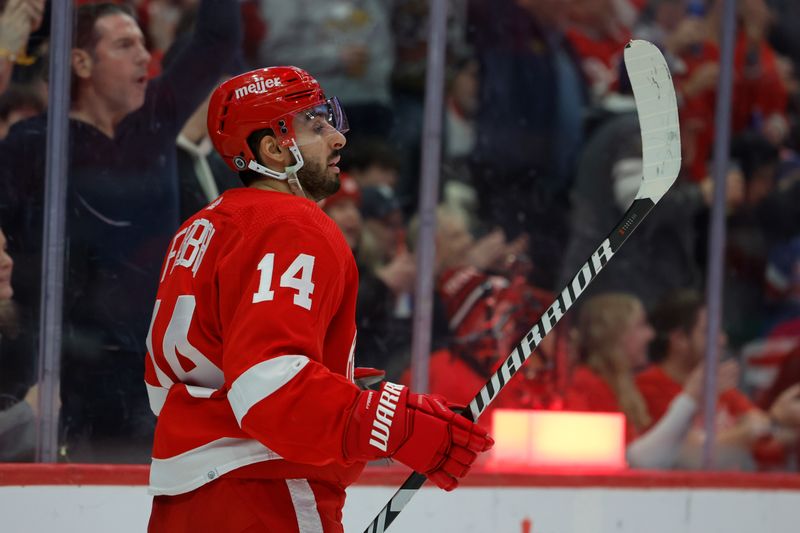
(601, 57)
(589, 392)
(758, 92)
(458, 381)
(486, 314)
(250, 349)
(658, 390)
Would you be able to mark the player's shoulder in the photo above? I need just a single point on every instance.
(260, 214)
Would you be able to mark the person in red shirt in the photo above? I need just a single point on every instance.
(760, 96)
(782, 401)
(342, 207)
(680, 320)
(611, 339)
(250, 350)
(487, 308)
(598, 35)
(487, 314)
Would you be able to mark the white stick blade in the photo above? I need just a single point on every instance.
(657, 108)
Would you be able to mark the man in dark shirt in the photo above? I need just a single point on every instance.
(122, 209)
(531, 102)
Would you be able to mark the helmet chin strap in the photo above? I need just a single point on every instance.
(290, 173)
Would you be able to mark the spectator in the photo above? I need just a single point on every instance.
(659, 23)
(202, 173)
(759, 96)
(599, 36)
(17, 20)
(254, 29)
(462, 105)
(783, 35)
(678, 349)
(122, 209)
(410, 27)
(611, 338)
(343, 208)
(678, 27)
(18, 103)
(460, 131)
(347, 44)
(387, 274)
(17, 363)
(383, 336)
(782, 399)
(483, 315)
(782, 402)
(530, 110)
(160, 21)
(383, 224)
(609, 173)
(372, 163)
(747, 246)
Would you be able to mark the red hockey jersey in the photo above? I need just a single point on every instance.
(250, 348)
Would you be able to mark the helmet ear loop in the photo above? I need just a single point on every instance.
(291, 170)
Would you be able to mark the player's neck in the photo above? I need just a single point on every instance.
(269, 184)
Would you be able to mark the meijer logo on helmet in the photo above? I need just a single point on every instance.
(259, 87)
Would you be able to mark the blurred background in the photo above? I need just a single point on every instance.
(540, 155)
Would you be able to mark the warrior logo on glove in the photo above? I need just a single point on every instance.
(384, 414)
(419, 430)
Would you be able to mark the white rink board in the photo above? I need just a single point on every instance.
(125, 509)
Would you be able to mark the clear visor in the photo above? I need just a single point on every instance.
(318, 122)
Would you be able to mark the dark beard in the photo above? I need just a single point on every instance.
(316, 183)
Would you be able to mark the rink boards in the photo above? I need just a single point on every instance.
(95, 498)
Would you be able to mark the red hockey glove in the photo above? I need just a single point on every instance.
(416, 429)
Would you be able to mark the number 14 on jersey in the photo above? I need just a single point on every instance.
(297, 277)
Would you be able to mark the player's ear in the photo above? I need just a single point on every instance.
(271, 152)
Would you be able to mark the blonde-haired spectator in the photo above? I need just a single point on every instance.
(611, 339)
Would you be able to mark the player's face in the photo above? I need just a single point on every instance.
(320, 144)
(118, 71)
(636, 339)
(6, 268)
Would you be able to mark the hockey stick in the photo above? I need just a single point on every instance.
(657, 108)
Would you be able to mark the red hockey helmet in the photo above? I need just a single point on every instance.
(275, 98)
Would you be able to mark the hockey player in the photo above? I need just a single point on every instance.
(250, 349)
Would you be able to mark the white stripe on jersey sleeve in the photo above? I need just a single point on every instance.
(261, 380)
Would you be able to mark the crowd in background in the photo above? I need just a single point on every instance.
(541, 156)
